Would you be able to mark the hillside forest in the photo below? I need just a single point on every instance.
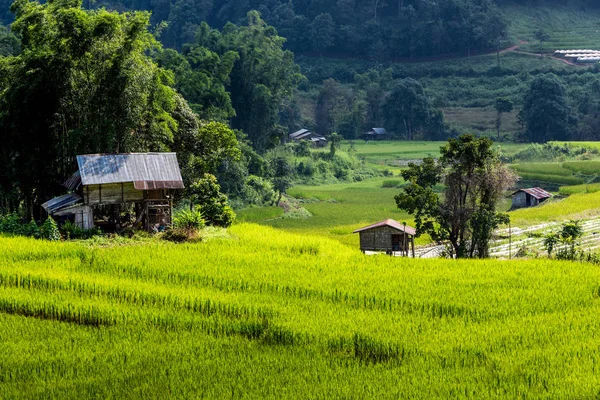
(223, 86)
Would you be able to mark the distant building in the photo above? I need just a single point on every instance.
(387, 236)
(529, 197)
(376, 134)
(304, 134)
(114, 180)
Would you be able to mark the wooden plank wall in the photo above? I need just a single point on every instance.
(112, 194)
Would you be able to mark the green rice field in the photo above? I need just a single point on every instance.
(269, 314)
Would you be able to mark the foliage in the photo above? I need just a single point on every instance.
(546, 111)
(406, 109)
(83, 83)
(281, 175)
(206, 193)
(49, 230)
(474, 181)
(564, 241)
(262, 77)
(189, 219)
(70, 230)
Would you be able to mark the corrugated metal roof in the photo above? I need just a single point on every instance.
(317, 138)
(298, 133)
(73, 182)
(536, 192)
(146, 170)
(305, 135)
(380, 131)
(59, 202)
(392, 224)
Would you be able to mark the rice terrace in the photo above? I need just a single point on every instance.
(300, 200)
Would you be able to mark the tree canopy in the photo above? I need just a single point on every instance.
(465, 216)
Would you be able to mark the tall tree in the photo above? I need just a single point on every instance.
(465, 216)
(546, 111)
(263, 76)
(407, 108)
(322, 31)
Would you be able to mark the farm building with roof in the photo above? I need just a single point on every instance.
(387, 236)
(304, 134)
(376, 134)
(529, 197)
(144, 180)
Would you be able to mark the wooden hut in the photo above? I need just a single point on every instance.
(529, 197)
(376, 134)
(304, 134)
(387, 236)
(145, 180)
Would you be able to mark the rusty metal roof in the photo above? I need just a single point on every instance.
(392, 224)
(145, 170)
(536, 192)
(60, 202)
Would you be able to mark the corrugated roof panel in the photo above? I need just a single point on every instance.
(536, 192)
(298, 133)
(59, 202)
(96, 169)
(380, 131)
(392, 224)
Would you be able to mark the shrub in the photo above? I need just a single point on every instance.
(71, 231)
(189, 220)
(31, 229)
(11, 224)
(216, 211)
(49, 230)
(391, 183)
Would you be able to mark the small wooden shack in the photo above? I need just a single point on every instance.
(376, 134)
(387, 236)
(304, 134)
(529, 197)
(144, 180)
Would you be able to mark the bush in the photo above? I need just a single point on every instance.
(49, 230)
(31, 229)
(189, 220)
(391, 183)
(11, 224)
(216, 211)
(71, 231)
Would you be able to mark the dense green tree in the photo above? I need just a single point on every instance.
(214, 206)
(465, 216)
(83, 83)
(322, 32)
(201, 76)
(263, 76)
(546, 110)
(407, 108)
(281, 175)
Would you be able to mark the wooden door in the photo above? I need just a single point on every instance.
(396, 240)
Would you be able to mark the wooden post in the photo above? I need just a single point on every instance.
(412, 241)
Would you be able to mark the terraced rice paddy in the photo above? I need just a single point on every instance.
(268, 314)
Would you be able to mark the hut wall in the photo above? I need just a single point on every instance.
(112, 193)
(380, 239)
(519, 200)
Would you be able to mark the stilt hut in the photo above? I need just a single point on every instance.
(113, 181)
(387, 236)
